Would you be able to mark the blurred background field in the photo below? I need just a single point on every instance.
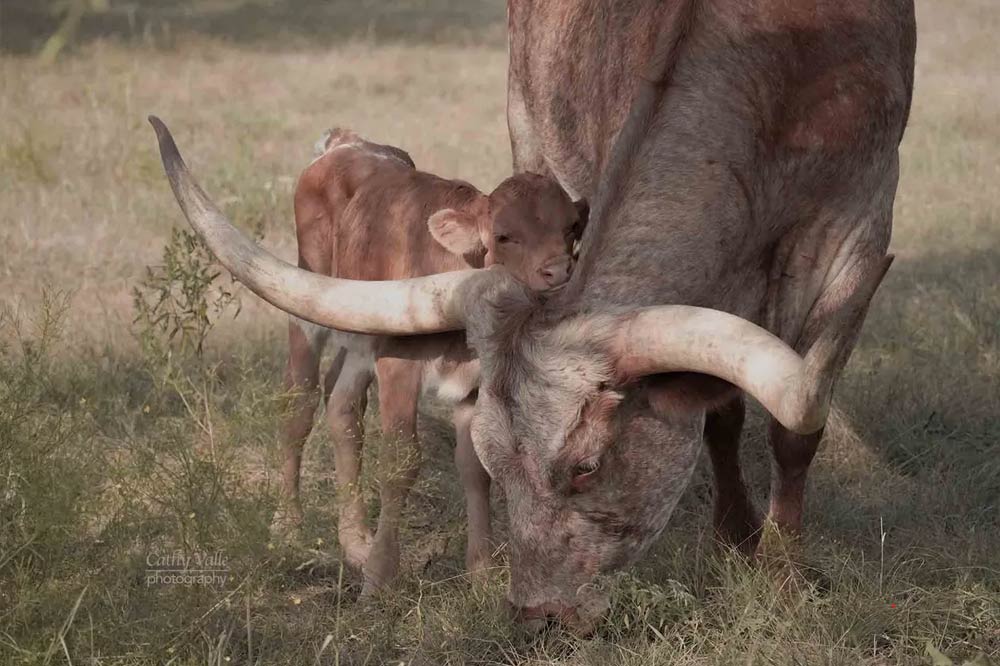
(117, 443)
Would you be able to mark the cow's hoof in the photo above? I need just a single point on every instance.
(479, 566)
(795, 579)
(781, 555)
(381, 568)
(370, 590)
(375, 585)
(356, 542)
(740, 531)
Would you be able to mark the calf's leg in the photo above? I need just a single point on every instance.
(476, 484)
(345, 412)
(305, 347)
(398, 463)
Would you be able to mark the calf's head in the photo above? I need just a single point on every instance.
(527, 224)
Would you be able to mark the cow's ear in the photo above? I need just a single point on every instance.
(456, 230)
(683, 393)
(582, 215)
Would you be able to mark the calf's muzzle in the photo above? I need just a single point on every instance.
(556, 271)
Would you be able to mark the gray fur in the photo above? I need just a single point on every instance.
(733, 185)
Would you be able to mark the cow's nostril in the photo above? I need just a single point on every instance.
(538, 617)
(522, 613)
(532, 620)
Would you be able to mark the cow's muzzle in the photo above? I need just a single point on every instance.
(536, 618)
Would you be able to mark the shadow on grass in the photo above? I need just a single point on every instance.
(113, 467)
(926, 364)
(25, 24)
(912, 447)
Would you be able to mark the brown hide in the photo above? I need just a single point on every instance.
(364, 212)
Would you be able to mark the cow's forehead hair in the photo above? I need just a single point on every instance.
(541, 369)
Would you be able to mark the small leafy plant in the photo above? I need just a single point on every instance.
(177, 299)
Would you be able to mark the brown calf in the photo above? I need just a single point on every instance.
(362, 211)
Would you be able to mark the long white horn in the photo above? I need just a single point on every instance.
(431, 304)
(795, 390)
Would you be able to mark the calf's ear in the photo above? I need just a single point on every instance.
(457, 231)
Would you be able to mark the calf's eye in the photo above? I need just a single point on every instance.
(502, 239)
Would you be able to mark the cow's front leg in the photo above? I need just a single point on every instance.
(345, 414)
(792, 456)
(476, 485)
(735, 520)
(779, 549)
(398, 463)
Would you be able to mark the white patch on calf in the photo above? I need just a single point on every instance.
(452, 381)
(322, 147)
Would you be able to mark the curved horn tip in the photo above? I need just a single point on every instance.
(159, 127)
(168, 147)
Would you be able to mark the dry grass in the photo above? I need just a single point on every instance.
(110, 452)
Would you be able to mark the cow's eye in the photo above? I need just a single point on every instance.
(583, 474)
(586, 468)
(503, 239)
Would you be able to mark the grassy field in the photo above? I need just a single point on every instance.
(120, 449)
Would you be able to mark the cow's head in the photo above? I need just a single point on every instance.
(527, 224)
(590, 422)
(591, 471)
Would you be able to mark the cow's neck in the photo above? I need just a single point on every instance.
(736, 164)
(681, 228)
